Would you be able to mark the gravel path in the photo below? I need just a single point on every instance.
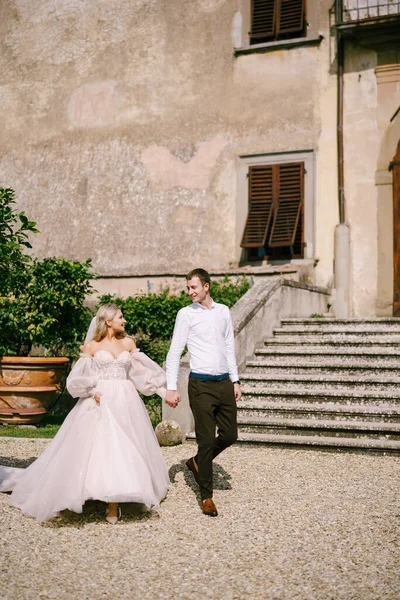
(293, 525)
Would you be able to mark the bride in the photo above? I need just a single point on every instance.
(106, 448)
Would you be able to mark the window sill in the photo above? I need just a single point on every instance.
(312, 40)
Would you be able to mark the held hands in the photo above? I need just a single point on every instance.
(172, 398)
(237, 391)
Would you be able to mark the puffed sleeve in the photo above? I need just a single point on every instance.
(81, 382)
(146, 375)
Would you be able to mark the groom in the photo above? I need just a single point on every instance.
(205, 327)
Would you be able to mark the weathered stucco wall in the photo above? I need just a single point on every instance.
(360, 148)
(371, 135)
(121, 124)
(388, 91)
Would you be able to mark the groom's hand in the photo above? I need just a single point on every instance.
(172, 398)
(237, 391)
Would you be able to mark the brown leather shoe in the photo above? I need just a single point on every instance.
(192, 466)
(208, 507)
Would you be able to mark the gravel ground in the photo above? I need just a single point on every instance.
(293, 525)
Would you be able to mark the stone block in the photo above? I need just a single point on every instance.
(169, 433)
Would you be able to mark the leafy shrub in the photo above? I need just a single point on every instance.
(41, 301)
(14, 230)
(227, 291)
(49, 312)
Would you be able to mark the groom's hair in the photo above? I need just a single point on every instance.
(201, 274)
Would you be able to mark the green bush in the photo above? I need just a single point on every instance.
(227, 291)
(49, 312)
(41, 301)
(14, 231)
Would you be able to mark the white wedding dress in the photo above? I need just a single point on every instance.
(103, 452)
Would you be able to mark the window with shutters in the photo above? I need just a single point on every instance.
(276, 206)
(275, 24)
(277, 20)
(275, 219)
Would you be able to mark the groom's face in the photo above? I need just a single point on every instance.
(196, 290)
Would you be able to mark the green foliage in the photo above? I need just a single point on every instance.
(151, 314)
(227, 291)
(49, 312)
(41, 301)
(14, 230)
(154, 409)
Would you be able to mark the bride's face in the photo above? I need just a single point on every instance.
(117, 323)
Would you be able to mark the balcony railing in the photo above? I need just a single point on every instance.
(371, 22)
(359, 10)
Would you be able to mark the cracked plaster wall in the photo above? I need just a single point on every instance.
(121, 124)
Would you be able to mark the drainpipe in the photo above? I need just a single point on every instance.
(339, 127)
(342, 231)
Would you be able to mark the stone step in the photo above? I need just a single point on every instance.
(334, 341)
(343, 396)
(320, 442)
(325, 383)
(317, 442)
(289, 367)
(343, 324)
(312, 381)
(315, 410)
(329, 350)
(347, 361)
(328, 427)
(336, 332)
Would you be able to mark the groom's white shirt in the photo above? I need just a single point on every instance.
(208, 335)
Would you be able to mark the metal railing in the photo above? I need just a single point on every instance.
(359, 10)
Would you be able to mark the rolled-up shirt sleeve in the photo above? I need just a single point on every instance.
(230, 350)
(179, 340)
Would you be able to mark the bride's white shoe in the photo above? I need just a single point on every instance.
(113, 520)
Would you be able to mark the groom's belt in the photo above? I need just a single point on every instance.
(205, 377)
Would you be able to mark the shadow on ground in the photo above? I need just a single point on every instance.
(94, 511)
(221, 479)
(20, 463)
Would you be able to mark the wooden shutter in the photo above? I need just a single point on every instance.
(276, 18)
(260, 206)
(263, 18)
(288, 204)
(291, 16)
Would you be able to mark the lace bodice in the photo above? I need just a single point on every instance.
(108, 367)
(147, 377)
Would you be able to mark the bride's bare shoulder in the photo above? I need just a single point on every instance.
(90, 348)
(129, 343)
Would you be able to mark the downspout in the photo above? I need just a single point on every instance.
(342, 231)
(339, 131)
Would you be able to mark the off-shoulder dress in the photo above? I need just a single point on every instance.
(105, 451)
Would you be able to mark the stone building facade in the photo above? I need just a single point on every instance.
(137, 132)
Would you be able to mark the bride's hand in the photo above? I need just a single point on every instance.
(97, 397)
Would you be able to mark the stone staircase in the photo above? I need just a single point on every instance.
(325, 383)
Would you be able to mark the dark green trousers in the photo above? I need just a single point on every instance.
(213, 406)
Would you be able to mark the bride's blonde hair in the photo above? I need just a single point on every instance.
(106, 313)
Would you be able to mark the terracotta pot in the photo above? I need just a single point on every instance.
(28, 386)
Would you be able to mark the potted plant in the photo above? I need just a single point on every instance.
(41, 313)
